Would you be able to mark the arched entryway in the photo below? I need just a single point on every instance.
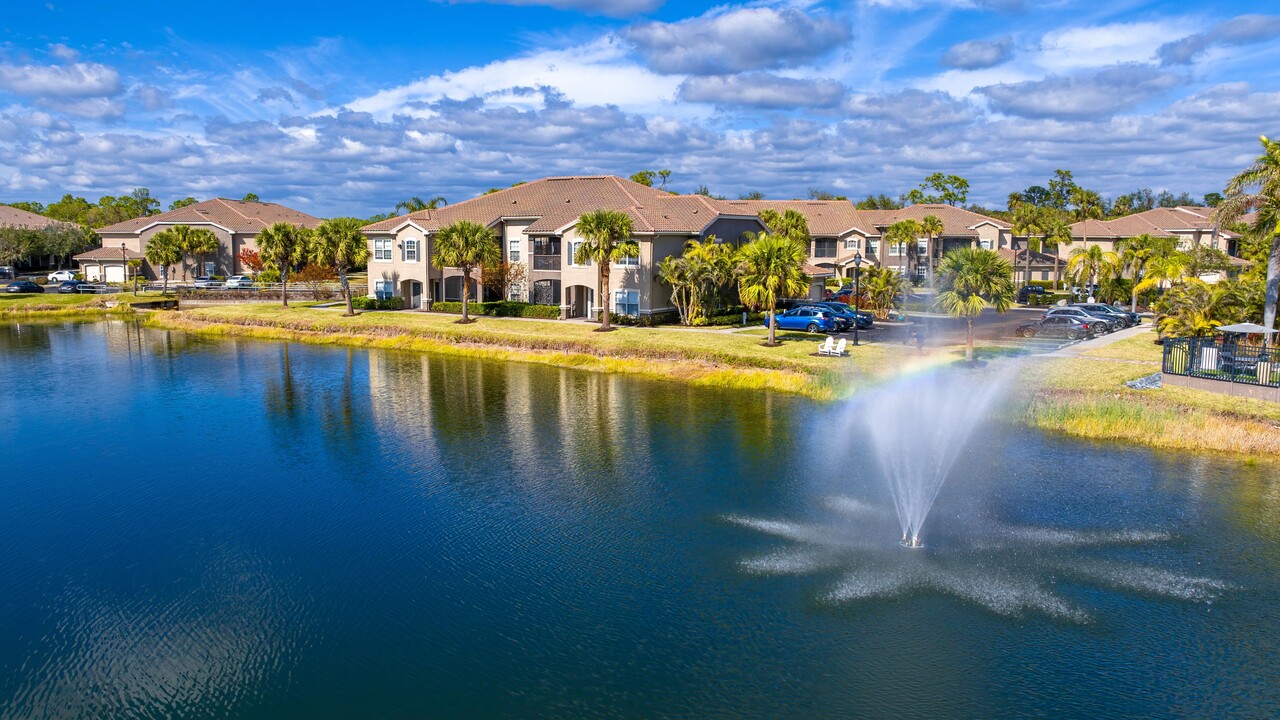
(411, 291)
(578, 300)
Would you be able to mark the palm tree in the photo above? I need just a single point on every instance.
(1028, 221)
(164, 249)
(771, 267)
(880, 287)
(974, 279)
(1056, 234)
(1195, 308)
(193, 241)
(283, 245)
(1137, 253)
(1257, 187)
(904, 233)
(607, 239)
(340, 244)
(417, 204)
(466, 245)
(1089, 265)
(1087, 204)
(932, 227)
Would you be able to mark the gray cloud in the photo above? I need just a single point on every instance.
(94, 108)
(612, 8)
(911, 109)
(763, 90)
(274, 95)
(1093, 94)
(724, 42)
(152, 97)
(1240, 30)
(978, 54)
(77, 80)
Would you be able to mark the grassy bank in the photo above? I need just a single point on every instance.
(720, 359)
(1086, 397)
(53, 304)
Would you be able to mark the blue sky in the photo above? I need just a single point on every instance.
(337, 108)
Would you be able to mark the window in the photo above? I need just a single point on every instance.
(411, 250)
(382, 249)
(921, 272)
(873, 247)
(851, 244)
(922, 246)
(824, 248)
(626, 302)
(384, 289)
(513, 250)
(629, 261)
(545, 292)
(896, 248)
(515, 292)
(984, 244)
(573, 254)
(546, 254)
(210, 268)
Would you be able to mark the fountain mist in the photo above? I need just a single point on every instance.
(918, 427)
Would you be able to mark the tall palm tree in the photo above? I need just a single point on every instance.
(339, 243)
(1257, 187)
(771, 267)
(974, 279)
(466, 245)
(164, 249)
(193, 241)
(1137, 253)
(1057, 233)
(416, 204)
(880, 288)
(1029, 222)
(606, 236)
(904, 233)
(1089, 265)
(283, 245)
(1087, 204)
(932, 227)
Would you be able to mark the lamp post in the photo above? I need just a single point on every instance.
(857, 295)
(124, 264)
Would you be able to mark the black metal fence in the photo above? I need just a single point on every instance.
(1222, 359)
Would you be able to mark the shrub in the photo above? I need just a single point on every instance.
(500, 308)
(367, 303)
(669, 317)
(41, 280)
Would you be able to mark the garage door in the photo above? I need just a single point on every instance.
(115, 273)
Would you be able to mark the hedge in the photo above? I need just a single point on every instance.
(500, 308)
(362, 302)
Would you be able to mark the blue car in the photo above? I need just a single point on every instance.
(849, 315)
(804, 318)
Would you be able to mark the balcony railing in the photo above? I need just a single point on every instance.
(546, 262)
(1215, 359)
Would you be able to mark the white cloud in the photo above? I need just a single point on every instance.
(978, 54)
(1241, 30)
(763, 90)
(1083, 95)
(726, 41)
(1094, 46)
(63, 81)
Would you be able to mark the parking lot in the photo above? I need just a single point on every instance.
(990, 328)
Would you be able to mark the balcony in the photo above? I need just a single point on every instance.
(546, 262)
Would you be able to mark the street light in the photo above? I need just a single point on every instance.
(857, 295)
(124, 264)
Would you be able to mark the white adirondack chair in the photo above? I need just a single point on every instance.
(839, 351)
(828, 347)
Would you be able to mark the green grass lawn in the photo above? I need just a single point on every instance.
(722, 358)
(50, 302)
(1140, 348)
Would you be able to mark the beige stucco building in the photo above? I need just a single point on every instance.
(535, 225)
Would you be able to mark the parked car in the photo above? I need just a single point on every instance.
(1107, 324)
(6, 272)
(1057, 326)
(841, 323)
(1128, 318)
(851, 316)
(236, 282)
(1026, 292)
(71, 287)
(62, 276)
(804, 318)
(206, 282)
(23, 286)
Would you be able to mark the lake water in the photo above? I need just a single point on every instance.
(198, 528)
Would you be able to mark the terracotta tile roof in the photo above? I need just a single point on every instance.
(236, 215)
(557, 202)
(1157, 222)
(13, 217)
(108, 253)
(826, 218)
(818, 272)
(956, 222)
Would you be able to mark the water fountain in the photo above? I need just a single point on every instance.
(918, 427)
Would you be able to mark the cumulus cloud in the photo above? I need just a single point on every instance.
(152, 97)
(911, 109)
(763, 90)
(98, 108)
(76, 80)
(612, 8)
(726, 41)
(978, 54)
(1240, 30)
(1093, 46)
(1092, 94)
